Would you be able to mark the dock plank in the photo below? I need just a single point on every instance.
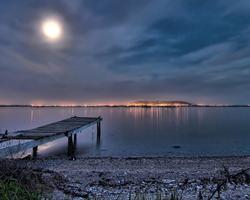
(61, 127)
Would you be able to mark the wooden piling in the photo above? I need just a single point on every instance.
(75, 141)
(98, 125)
(34, 152)
(71, 151)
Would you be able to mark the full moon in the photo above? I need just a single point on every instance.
(52, 29)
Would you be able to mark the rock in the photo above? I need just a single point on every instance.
(176, 147)
(168, 181)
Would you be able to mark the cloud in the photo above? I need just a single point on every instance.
(125, 50)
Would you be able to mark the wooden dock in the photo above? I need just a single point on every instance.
(21, 141)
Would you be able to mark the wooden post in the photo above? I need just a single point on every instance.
(34, 152)
(75, 141)
(98, 132)
(71, 152)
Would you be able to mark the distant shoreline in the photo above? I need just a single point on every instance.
(118, 106)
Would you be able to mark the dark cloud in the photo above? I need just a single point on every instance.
(126, 50)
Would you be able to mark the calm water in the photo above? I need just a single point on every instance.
(144, 131)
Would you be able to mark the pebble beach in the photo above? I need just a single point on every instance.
(145, 177)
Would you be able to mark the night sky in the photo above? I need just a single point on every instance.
(115, 51)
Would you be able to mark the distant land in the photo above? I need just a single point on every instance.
(159, 103)
(137, 104)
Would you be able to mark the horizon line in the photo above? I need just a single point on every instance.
(126, 105)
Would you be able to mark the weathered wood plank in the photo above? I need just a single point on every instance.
(55, 128)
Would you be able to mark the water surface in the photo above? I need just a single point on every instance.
(144, 131)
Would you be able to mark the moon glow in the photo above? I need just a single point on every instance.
(52, 29)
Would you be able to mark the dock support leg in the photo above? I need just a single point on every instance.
(98, 139)
(75, 141)
(71, 151)
(34, 152)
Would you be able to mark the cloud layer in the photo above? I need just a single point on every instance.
(118, 51)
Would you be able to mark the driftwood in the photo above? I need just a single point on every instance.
(237, 178)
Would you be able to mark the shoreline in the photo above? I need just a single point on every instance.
(146, 157)
(126, 106)
(112, 177)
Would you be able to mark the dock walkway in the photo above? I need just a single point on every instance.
(23, 140)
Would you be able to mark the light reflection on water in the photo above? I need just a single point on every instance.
(144, 131)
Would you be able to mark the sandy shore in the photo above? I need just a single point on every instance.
(123, 178)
